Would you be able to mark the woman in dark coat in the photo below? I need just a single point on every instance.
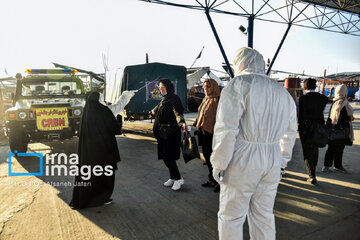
(205, 122)
(341, 115)
(97, 147)
(169, 120)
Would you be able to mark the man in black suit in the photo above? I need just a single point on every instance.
(311, 109)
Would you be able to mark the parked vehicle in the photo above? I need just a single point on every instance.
(48, 105)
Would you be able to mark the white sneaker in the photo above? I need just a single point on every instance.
(177, 184)
(169, 183)
(325, 169)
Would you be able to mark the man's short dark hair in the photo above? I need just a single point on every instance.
(310, 83)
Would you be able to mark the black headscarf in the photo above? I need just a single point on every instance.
(169, 86)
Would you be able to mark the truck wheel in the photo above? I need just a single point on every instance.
(17, 141)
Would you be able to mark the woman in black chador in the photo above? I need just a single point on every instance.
(97, 147)
(169, 119)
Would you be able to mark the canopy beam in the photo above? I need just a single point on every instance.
(219, 43)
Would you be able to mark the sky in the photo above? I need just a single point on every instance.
(78, 32)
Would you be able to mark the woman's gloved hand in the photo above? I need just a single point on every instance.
(126, 96)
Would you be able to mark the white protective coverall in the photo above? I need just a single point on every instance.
(120, 103)
(255, 131)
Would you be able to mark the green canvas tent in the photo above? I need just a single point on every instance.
(145, 77)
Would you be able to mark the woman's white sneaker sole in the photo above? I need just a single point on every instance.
(177, 184)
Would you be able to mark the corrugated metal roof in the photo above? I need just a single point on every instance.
(344, 75)
(350, 6)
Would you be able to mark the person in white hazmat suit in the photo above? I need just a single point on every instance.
(254, 133)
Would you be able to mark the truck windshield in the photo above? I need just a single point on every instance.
(55, 88)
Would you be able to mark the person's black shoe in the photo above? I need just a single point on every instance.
(282, 172)
(108, 201)
(217, 188)
(340, 169)
(312, 181)
(208, 184)
(71, 205)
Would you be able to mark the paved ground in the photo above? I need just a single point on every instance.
(36, 208)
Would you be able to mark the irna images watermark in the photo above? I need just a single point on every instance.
(61, 165)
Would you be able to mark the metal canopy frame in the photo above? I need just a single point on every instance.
(339, 16)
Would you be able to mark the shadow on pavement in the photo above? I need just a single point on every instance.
(144, 209)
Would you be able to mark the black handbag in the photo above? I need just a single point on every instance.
(189, 147)
(319, 134)
(339, 136)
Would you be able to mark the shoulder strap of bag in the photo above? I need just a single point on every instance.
(330, 110)
(329, 119)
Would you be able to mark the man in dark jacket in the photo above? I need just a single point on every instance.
(311, 110)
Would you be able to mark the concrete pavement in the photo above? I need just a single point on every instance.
(37, 207)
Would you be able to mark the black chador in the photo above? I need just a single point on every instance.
(98, 155)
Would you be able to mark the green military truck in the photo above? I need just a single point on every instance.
(48, 104)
